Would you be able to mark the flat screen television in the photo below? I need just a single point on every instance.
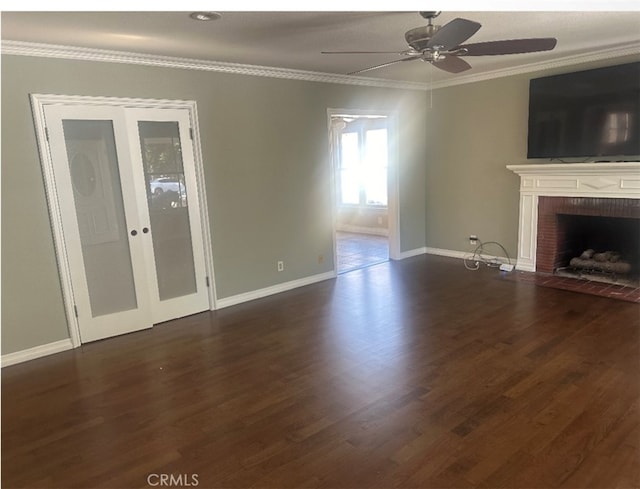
(590, 114)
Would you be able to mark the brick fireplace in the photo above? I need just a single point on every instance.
(568, 208)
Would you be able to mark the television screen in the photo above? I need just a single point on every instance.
(592, 113)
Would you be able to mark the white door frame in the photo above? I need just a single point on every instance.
(393, 188)
(38, 102)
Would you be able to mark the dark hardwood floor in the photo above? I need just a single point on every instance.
(412, 374)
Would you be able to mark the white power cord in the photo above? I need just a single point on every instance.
(473, 261)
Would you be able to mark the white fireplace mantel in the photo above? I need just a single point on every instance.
(604, 180)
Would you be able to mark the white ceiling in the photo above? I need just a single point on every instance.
(294, 40)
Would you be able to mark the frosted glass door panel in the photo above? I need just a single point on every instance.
(95, 179)
(168, 208)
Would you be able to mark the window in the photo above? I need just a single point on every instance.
(362, 163)
(616, 128)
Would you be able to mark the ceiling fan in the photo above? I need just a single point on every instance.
(442, 45)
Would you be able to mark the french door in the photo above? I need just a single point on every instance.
(127, 193)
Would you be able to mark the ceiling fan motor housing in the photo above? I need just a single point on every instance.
(419, 37)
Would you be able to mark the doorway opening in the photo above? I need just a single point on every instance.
(360, 152)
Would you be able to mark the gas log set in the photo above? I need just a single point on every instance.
(607, 262)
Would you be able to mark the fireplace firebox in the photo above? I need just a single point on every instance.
(591, 238)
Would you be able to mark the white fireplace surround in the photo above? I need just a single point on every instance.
(604, 180)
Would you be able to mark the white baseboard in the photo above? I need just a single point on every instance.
(36, 352)
(525, 267)
(274, 289)
(444, 252)
(462, 254)
(427, 250)
(408, 254)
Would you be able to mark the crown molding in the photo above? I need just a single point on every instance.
(628, 49)
(22, 48)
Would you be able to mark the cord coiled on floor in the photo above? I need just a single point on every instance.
(479, 256)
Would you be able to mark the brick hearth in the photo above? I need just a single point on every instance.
(612, 291)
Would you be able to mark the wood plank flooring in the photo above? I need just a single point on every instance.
(407, 374)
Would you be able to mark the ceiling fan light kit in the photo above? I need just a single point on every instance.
(442, 45)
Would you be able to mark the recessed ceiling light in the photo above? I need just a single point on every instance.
(204, 16)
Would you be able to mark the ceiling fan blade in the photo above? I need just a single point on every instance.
(452, 34)
(361, 52)
(510, 46)
(384, 64)
(452, 64)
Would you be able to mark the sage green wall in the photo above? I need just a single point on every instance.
(267, 174)
(478, 129)
(475, 131)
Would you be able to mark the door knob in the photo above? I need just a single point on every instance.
(145, 230)
(134, 232)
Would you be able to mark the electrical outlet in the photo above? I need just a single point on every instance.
(473, 239)
(280, 266)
